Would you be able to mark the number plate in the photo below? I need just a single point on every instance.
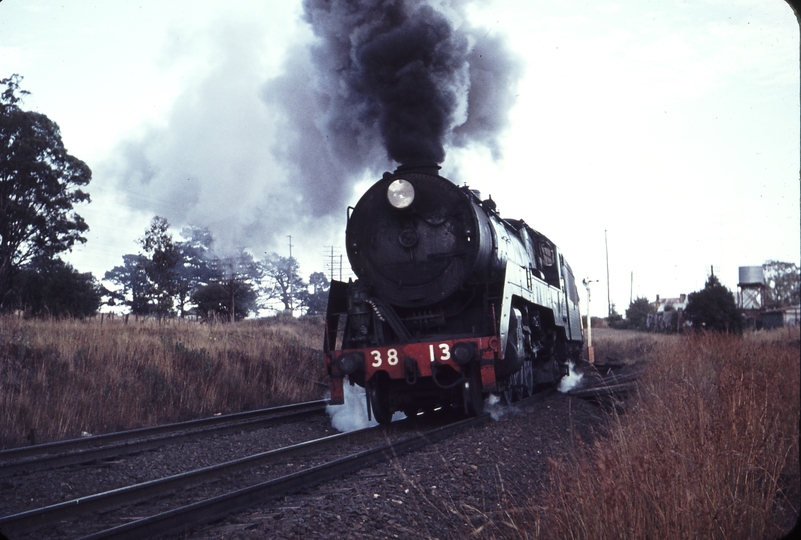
(391, 359)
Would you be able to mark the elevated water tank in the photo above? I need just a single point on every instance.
(751, 275)
(752, 287)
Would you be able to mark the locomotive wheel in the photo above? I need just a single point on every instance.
(472, 394)
(508, 395)
(528, 379)
(379, 404)
(515, 390)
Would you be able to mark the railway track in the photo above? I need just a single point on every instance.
(323, 459)
(87, 449)
(187, 500)
(607, 383)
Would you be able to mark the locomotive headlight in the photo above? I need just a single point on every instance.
(400, 193)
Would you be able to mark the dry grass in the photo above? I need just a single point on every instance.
(627, 346)
(59, 378)
(709, 449)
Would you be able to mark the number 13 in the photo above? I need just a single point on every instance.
(445, 352)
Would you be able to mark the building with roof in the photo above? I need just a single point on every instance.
(669, 316)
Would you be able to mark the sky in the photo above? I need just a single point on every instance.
(664, 133)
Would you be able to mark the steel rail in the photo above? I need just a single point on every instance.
(215, 508)
(604, 390)
(129, 442)
(186, 517)
(608, 386)
(129, 495)
(82, 442)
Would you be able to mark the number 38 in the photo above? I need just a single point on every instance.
(392, 358)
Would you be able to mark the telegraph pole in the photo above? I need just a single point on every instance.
(289, 285)
(608, 296)
(631, 290)
(590, 351)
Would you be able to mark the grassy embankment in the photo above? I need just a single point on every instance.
(708, 448)
(60, 378)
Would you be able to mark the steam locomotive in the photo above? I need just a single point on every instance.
(452, 302)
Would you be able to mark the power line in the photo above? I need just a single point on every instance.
(334, 264)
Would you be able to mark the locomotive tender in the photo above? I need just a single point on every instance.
(452, 301)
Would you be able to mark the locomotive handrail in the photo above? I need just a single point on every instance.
(392, 318)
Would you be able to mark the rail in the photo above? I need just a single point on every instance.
(58, 454)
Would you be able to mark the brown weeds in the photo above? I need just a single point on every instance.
(709, 450)
(59, 378)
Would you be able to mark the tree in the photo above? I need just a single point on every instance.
(162, 256)
(283, 281)
(316, 301)
(714, 308)
(39, 184)
(168, 274)
(615, 319)
(51, 287)
(231, 299)
(784, 284)
(132, 279)
(237, 275)
(637, 313)
(193, 269)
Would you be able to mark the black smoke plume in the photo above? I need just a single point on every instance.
(403, 72)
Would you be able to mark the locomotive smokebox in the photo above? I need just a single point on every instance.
(423, 168)
(414, 237)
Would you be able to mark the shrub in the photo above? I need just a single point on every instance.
(714, 308)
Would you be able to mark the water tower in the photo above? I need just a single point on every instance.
(752, 287)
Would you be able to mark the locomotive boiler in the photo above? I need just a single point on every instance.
(452, 301)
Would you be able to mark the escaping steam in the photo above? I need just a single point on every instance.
(570, 380)
(352, 415)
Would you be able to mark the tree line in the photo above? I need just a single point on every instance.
(714, 307)
(170, 277)
(40, 184)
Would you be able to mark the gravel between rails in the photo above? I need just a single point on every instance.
(297, 460)
(450, 490)
(33, 490)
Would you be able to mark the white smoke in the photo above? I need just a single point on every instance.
(352, 415)
(570, 380)
(492, 405)
(265, 140)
